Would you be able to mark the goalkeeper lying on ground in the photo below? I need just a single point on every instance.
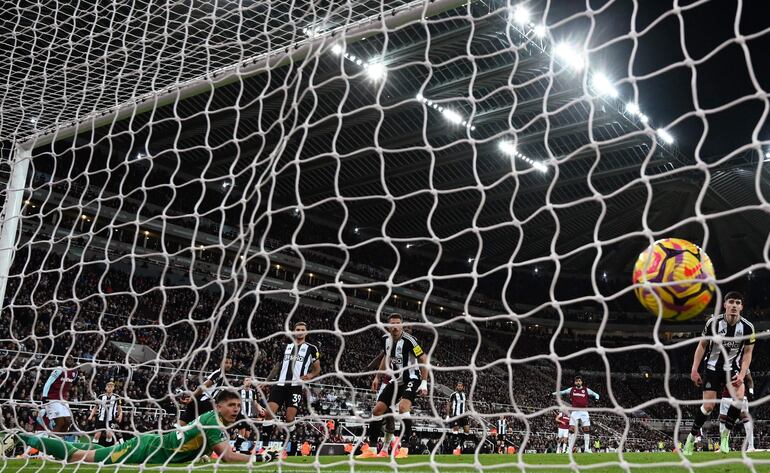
(201, 437)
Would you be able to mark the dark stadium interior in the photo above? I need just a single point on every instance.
(309, 192)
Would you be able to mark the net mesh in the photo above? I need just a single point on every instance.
(489, 170)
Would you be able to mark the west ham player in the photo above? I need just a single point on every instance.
(578, 395)
(300, 363)
(748, 423)
(455, 411)
(737, 338)
(408, 372)
(56, 392)
(110, 411)
(562, 421)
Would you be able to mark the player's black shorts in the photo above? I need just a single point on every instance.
(104, 425)
(407, 389)
(716, 380)
(461, 421)
(289, 396)
(195, 409)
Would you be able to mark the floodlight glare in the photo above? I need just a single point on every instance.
(633, 108)
(567, 53)
(665, 136)
(376, 71)
(603, 86)
(540, 31)
(337, 49)
(452, 116)
(767, 156)
(507, 147)
(540, 166)
(521, 15)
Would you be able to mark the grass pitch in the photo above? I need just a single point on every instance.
(542, 463)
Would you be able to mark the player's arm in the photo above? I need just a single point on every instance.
(380, 369)
(119, 417)
(49, 383)
(561, 393)
(226, 453)
(748, 352)
(315, 370)
(595, 395)
(423, 389)
(696, 360)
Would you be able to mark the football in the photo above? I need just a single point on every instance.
(668, 261)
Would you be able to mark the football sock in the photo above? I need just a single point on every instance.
(386, 441)
(374, 433)
(749, 428)
(699, 419)
(572, 439)
(586, 442)
(732, 415)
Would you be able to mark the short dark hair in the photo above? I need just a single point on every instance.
(734, 295)
(226, 395)
(395, 315)
(298, 324)
(577, 376)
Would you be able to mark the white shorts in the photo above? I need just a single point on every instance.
(563, 433)
(56, 409)
(724, 405)
(579, 416)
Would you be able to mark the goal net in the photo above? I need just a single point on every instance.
(187, 182)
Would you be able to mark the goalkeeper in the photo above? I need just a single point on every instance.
(201, 437)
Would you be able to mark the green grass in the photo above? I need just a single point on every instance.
(596, 463)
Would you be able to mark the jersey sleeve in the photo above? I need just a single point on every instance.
(707, 327)
(752, 335)
(416, 348)
(51, 379)
(214, 376)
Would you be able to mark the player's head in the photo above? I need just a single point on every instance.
(109, 387)
(395, 327)
(227, 363)
(247, 382)
(460, 387)
(578, 381)
(228, 405)
(733, 306)
(300, 331)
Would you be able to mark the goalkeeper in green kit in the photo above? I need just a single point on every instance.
(201, 437)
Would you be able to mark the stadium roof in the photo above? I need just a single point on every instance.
(314, 133)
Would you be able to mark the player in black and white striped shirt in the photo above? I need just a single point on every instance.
(407, 376)
(205, 394)
(109, 413)
(727, 360)
(300, 363)
(455, 410)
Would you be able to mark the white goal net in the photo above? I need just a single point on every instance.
(190, 185)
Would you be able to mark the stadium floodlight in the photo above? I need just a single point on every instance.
(767, 156)
(520, 15)
(419, 97)
(337, 49)
(633, 108)
(452, 116)
(644, 118)
(569, 55)
(664, 135)
(540, 31)
(507, 147)
(376, 71)
(540, 166)
(601, 83)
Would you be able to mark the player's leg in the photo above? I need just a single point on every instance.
(585, 425)
(278, 397)
(731, 417)
(573, 425)
(407, 394)
(712, 384)
(291, 414)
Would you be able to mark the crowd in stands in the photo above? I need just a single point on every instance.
(62, 308)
